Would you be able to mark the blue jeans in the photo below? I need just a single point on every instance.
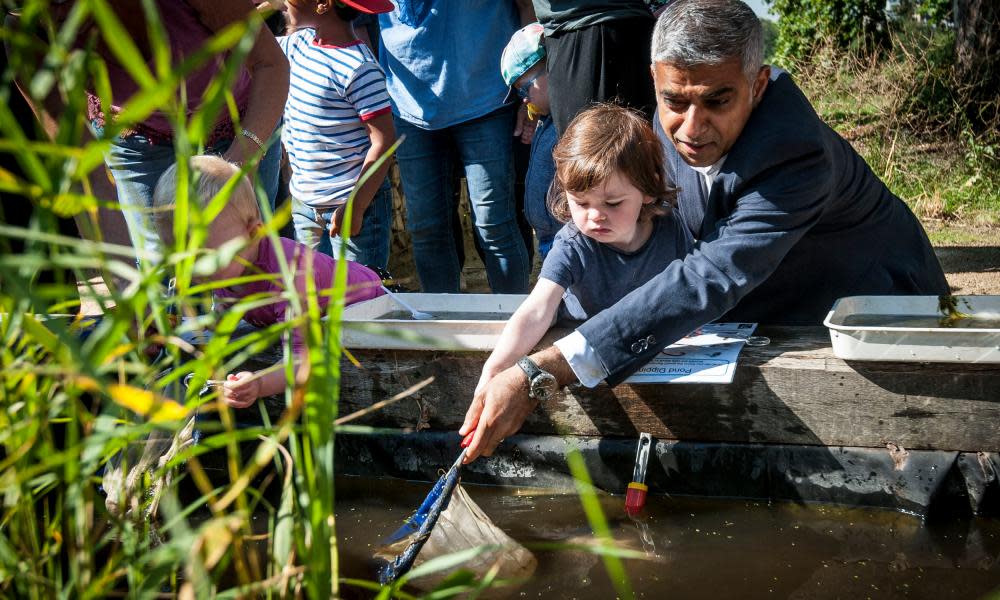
(370, 247)
(136, 166)
(426, 165)
(538, 179)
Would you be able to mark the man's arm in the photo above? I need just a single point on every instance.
(504, 405)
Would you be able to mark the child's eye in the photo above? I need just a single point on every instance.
(613, 204)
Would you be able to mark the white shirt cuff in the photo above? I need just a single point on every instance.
(582, 358)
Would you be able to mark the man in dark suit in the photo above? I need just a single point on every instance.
(786, 215)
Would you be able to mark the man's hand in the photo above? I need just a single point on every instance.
(525, 127)
(241, 390)
(337, 222)
(497, 411)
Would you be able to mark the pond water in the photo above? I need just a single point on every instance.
(706, 548)
(921, 321)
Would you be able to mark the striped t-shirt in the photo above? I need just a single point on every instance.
(333, 91)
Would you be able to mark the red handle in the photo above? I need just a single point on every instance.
(467, 439)
(635, 498)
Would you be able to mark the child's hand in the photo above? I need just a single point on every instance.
(357, 219)
(241, 390)
(524, 128)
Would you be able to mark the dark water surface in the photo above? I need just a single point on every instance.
(707, 548)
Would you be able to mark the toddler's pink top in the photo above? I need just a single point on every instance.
(362, 283)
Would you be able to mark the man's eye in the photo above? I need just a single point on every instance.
(718, 102)
(676, 106)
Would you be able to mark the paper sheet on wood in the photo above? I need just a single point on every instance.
(705, 356)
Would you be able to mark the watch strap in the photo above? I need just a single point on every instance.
(530, 369)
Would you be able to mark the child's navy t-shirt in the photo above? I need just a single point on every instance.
(596, 275)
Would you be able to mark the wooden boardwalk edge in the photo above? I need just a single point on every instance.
(793, 391)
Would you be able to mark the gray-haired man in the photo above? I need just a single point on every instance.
(787, 216)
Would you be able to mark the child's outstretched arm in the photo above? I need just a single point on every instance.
(382, 134)
(524, 329)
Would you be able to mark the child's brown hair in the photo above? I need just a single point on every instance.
(601, 140)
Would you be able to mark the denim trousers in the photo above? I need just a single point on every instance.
(370, 247)
(136, 165)
(427, 160)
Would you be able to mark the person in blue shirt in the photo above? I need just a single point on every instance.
(440, 60)
(787, 218)
(522, 66)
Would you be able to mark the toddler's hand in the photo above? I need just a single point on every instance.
(524, 128)
(241, 390)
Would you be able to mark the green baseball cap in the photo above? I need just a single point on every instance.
(523, 51)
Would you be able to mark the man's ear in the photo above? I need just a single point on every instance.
(760, 83)
(323, 6)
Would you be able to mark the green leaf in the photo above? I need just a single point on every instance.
(598, 523)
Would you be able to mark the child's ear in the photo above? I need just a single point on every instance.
(253, 228)
(324, 6)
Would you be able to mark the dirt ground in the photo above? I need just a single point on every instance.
(971, 264)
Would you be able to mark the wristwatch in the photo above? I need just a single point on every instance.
(541, 384)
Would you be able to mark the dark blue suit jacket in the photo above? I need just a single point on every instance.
(794, 220)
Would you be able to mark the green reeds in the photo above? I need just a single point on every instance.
(70, 403)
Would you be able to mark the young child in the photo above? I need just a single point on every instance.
(612, 189)
(240, 219)
(337, 123)
(522, 66)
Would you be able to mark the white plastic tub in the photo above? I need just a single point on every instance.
(887, 342)
(378, 324)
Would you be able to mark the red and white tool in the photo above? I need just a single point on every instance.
(635, 496)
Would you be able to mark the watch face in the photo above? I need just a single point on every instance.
(544, 385)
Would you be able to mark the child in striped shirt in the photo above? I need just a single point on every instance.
(337, 123)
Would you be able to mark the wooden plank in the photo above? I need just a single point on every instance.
(793, 391)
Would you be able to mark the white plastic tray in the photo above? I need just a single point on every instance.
(913, 344)
(366, 325)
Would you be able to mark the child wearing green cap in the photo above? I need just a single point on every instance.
(522, 66)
